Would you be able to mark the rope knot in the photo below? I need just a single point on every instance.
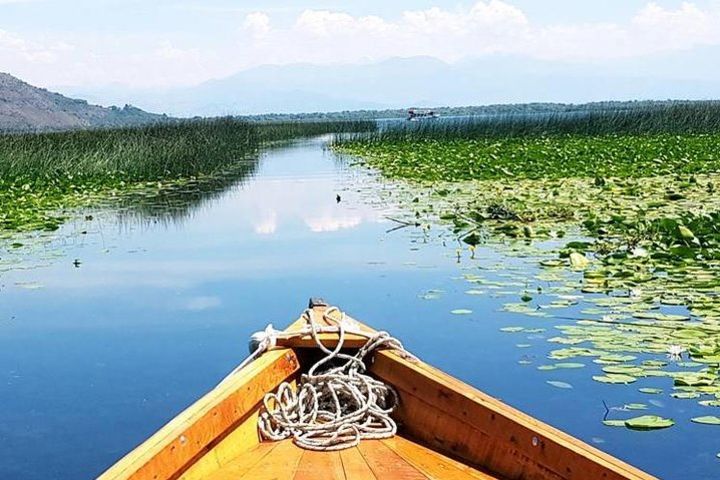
(264, 340)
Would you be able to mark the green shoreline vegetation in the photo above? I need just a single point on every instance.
(42, 175)
(631, 199)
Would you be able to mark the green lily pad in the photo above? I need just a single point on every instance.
(614, 378)
(569, 365)
(685, 395)
(651, 391)
(578, 260)
(512, 329)
(614, 423)
(706, 420)
(461, 311)
(648, 422)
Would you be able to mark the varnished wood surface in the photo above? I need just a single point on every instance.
(392, 459)
(453, 417)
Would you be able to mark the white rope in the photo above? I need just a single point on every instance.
(336, 404)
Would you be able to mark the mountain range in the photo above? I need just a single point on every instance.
(396, 83)
(426, 81)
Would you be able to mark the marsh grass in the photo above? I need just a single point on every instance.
(667, 118)
(128, 154)
(42, 174)
(285, 130)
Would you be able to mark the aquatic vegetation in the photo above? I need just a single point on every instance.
(43, 175)
(639, 119)
(155, 152)
(539, 157)
(707, 420)
(625, 224)
(648, 422)
(272, 131)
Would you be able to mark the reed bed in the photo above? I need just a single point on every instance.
(285, 130)
(154, 152)
(43, 173)
(641, 142)
(666, 118)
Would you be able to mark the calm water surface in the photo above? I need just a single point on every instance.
(96, 354)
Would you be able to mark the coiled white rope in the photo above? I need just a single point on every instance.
(335, 404)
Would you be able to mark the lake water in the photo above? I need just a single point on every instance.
(114, 324)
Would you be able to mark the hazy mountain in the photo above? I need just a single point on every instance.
(425, 81)
(24, 107)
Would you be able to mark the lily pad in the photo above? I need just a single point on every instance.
(685, 395)
(706, 420)
(578, 260)
(512, 329)
(614, 423)
(648, 422)
(569, 365)
(615, 378)
(461, 311)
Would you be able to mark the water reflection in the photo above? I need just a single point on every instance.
(178, 202)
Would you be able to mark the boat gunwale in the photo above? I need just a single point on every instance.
(384, 364)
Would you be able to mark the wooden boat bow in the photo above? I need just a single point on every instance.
(447, 429)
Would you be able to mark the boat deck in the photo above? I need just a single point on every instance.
(392, 459)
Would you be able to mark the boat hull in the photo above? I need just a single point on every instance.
(445, 425)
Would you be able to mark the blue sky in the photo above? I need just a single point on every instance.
(169, 43)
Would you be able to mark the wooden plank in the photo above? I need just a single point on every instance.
(187, 437)
(355, 466)
(432, 463)
(239, 440)
(280, 464)
(491, 434)
(386, 464)
(240, 465)
(320, 466)
(329, 340)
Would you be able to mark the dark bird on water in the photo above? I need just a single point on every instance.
(337, 198)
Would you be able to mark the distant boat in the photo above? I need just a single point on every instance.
(415, 114)
(447, 429)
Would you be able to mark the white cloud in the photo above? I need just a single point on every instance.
(257, 23)
(494, 26)
(331, 36)
(663, 29)
(15, 49)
